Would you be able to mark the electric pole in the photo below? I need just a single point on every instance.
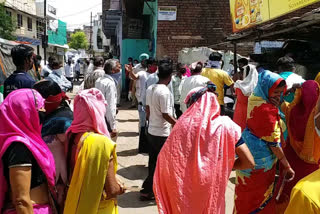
(45, 42)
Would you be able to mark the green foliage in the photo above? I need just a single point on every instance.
(7, 24)
(79, 41)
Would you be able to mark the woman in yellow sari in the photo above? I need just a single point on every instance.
(92, 158)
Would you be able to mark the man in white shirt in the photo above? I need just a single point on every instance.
(98, 72)
(68, 70)
(141, 77)
(77, 69)
(159, 114)
(196, 80)
(107, 86)
(58, 77)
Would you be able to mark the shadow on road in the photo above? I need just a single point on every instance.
(127, 153)
(131, 200)
(137, 172)
(128, 134)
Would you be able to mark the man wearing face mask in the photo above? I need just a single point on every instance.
(107, 85)
(58, 77)
(159, 114)
(22, 57)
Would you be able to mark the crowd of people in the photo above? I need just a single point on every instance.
(52, 153)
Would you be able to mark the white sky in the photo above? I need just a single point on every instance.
(76, 12)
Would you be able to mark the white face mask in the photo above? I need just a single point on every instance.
(58, 71)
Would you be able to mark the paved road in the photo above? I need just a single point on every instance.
(132, 168)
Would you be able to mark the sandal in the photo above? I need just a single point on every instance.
(147, 196)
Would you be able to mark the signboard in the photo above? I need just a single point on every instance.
(167, 13)
(249, 13)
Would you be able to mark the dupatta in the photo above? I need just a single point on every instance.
(20, 123)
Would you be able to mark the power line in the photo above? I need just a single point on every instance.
(79, 12)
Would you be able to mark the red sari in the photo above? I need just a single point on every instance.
(240, 112)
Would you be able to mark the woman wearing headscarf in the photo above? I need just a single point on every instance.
(27, 169)
(244, 89)
(92, 158)
(303, 144)
(263, 135)
(195, 163)
(57, 120)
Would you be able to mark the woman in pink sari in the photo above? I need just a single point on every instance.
(27, 169)
(195, 163)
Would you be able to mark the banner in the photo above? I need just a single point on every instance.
(167, 13)
(249, 13)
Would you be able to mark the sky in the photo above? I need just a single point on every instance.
(76, 12)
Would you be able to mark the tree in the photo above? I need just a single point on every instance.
(7, 24)
(79, 41)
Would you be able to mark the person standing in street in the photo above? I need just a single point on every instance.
(107, 86)
(58, 77)
(77, 69)
(128, 80)
(218, 77)
(177, 78)
(159, 114)
(68, 70)
(140, 78)
(189, 83)
(117, 76)
(194, 165)
(98, 72)
(22, 57)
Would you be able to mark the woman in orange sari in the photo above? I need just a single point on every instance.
(303, 144)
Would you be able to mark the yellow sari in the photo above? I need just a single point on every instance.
(86, 195)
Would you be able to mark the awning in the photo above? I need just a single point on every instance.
(28, 41)
(306, 27)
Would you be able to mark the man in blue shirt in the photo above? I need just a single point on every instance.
(22, 57)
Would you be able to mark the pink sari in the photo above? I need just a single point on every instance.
(20, 123)
(92, 101)
(195, 163)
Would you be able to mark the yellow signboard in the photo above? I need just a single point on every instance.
(248, 13)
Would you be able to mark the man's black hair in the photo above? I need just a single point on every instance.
(198, 68)
(20, 53)
(98, 61)
(130, 59)
(285, 64)
(47, 88)
(215, 56)
(165, 70)
(243, 61)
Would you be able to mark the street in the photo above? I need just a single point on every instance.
(132, 167)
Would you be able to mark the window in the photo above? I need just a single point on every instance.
(29, 24)
(19, 20)
(8, 13)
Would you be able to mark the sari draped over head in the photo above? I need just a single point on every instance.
(93, 102)
(195, 163)
(303, 149)
(20, 123)
(254, 187)
(303, 137)
(244, 89)
(86, 191)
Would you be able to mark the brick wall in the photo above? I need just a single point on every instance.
(202, 23)
(199, 23)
